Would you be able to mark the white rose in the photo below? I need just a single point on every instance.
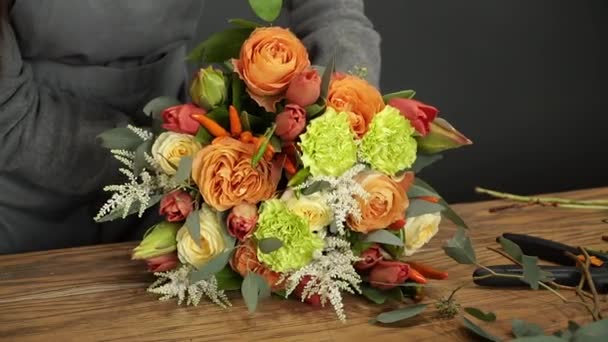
(419, 231)
(313, 208)
(170, 147)
(212, 241)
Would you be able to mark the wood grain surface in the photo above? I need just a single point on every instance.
(98, 294)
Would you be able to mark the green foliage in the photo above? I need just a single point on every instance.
(315, 187)
(140, 162)
(269, 245)
(157, 105)
(214, 266)
(400, 314)
(532, 272)
(243, 23)
(511, 248)
(194, 226)
(260, 152)
(220, 46)
(420, 207)
(183, 169)
(253, 289)
(460, 248)
(228, 280)
(403, 94)
(384, 237)
(418, 191)
(267, 10)
(522, 328)
(481, 315)
(120, 138)
(477, 330)
(203, 136)
(424, 160)
(326, 78)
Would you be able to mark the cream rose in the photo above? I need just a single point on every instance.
(313, 208)
(419, 231)
(170, 147)
(212, 242)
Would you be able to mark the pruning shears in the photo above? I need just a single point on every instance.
(565, 274)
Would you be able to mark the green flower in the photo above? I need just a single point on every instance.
(158, 240)
(208, 88)
(388, 145)
(328, 146)
(299, 243)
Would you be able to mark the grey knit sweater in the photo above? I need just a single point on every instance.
(73, 68)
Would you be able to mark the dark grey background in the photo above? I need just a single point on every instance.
(525, 80)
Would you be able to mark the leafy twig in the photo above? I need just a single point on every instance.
(544, 201)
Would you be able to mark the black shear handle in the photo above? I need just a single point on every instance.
(544, 249)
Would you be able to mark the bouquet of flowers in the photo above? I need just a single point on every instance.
(281, 177)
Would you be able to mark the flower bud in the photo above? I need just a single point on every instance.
(387, 274)
(304, 88)
(314, 299)
(371, 257)
(163, 263)
(178, 118)
(241, 221)
(158, 240)
(208, 88)
(419, 114)
(291, 122)
(442, 136)
(176, 206)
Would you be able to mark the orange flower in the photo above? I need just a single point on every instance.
(245, 259)
(270, 58)
(386, 203)
(349, 93)
(225, 177)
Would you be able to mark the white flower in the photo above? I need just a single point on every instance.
(211, 244)
(419, 231)
(313, 208)
(170, 147)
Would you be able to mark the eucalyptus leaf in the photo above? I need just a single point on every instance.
(220, 46)
(120, 138)
(481, 315)
(401, 314)
(333, 227)
(532, 272)
(326, 78)
(569, 332)
(418, 181)
(315, 187)
(419, 207)
(452, 215)
(373, 294)
(511, 248)
(539, 339)
(596, 331)
(183, 169)
(253, 288)
(228, 280)
(214, 266)
(267, 10)
(203, 136)
(424, 160)
(229, 240)
(403, 94)
(418, 191)
(522, 328)
(460, 248)
(194, 226)
(243, 23)
(269, 245)
(384, 237)
(479, 331)
(140, 162)
(159, 104)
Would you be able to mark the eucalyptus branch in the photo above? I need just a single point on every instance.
(546, 201)
(586, 274)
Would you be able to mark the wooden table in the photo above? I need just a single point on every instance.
(98, 293)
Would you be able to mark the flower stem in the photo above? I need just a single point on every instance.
(547, 201)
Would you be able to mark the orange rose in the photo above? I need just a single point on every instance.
(386, 203)
(349, 93)
(270, 58)
(245, 259)
(225, 177)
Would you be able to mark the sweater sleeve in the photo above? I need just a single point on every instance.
(340, 27)
(48, 136)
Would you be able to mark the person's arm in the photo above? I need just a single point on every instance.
(48, 136)
(326, 26)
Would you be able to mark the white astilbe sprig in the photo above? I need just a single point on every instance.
(145, 135)
(176, 284)
(137, 190)
(330, 273)
(341, 194)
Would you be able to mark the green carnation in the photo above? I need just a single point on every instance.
(388, 145)
(328, 146)
(299, 243)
